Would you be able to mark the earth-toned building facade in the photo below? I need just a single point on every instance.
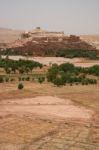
(38, 32)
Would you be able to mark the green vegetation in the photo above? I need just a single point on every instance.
(49, 52)
(6, 79)
(69, 74)
(16, 52)
(67, 53)
(1, 79)
(22, 66)
(71, 53)
(41, 79)
(18, 70)
(20, 86)
(57, 74)
(94, 70)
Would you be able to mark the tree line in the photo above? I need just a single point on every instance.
(72, 53)
(69, 74)
(63, 52)
(22, 66)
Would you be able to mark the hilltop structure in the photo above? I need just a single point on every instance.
(38, 41)
(38, 32)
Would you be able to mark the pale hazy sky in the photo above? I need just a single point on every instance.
(71, 16)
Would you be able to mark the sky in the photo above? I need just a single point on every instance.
(71, 16)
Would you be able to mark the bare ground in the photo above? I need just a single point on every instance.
(68, 119)
(9, 35)
(46, 107)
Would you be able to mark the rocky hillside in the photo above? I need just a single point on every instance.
(38, 46)
(21, 41)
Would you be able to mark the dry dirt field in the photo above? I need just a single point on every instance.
(46, 117)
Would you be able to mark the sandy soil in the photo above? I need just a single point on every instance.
(46, 122)
(30, 119)
(46, 107)
(9, 35)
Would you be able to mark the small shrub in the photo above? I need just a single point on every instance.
(20, 79)
(6, 79)
(27, 79)
(12, 79)
(71, 84)
(41, 79)
(77, 83)
(23, 79)
(20, 86)
(7, 70)
(1, 80)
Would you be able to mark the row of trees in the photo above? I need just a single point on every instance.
(69, 74)
(67, 53)
(40, 80)
(3, 79)
(71, 53)
(16, 52)
(22, 66)
(6, 79)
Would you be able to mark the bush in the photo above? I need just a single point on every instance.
(41, 79)
(21, 70)
(1, 79)
(20, 79)
(20, 86)
(69, 74)
(22, 66)
(59, 82)
(27, 79)
(6, 79)
(50, 52)
(12, 79)
(7, 70)
(71, 84)
(67, 67)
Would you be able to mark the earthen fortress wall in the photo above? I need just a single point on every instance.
(38, 32)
